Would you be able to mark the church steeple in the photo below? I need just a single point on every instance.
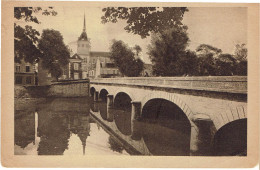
(84, 25)
(83, 35)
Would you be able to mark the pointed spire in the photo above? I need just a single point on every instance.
(84, 26)
(83, 35)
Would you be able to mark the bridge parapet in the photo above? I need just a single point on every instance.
(230, 84)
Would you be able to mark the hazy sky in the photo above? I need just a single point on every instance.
(218, 26)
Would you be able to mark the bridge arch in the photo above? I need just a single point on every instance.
(103, 94)
(126, 91)
(122, 100)
(232, 113)
(231, 139)
(172, 98)
(168, 122)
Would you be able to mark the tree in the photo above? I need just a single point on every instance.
(25, 44)
(144, 20)
(241, 56)
(225, 65)
(55, 55)
(241, 52)
(26, 38)
(207, 57)
(241, 68)
(189, 64)
(138, 49)
(212, 62)
(207, 66)
(169, 55)
(205, 49)
(124, 59)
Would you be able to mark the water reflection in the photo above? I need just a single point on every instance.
(123, 120)
(153, 136)
(114, 145)
(24, 128)
(64, 126)
(161, 140)
(60, 126)
(121, 117)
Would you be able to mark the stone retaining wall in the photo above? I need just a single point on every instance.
(78, 88)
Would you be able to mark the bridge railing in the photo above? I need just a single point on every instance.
(230, 84)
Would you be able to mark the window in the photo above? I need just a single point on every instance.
(27, 68)
(17, 68)
(82, 45)
(76, 66)
(114, 71)
(28, 80)
(93, 61)
(18, 80)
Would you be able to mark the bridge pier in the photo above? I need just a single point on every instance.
(194, 140)
(110, 116)
(95, 107)
(110, 101)
(135, 117)
(202, 133)
(136, 110)
(96, 94)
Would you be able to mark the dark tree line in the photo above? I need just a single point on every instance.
(170, 57)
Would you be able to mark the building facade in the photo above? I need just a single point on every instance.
(89, 64)
(25, 73)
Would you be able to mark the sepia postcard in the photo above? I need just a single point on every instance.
(130, 84)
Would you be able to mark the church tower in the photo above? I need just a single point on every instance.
(83, 43)
(83, 50)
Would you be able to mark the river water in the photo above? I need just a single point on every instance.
(64, 126)
(79, 126)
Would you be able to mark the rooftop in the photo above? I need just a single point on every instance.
(76, 56)
(99, 54)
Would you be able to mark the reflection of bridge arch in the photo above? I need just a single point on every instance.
(92, 91)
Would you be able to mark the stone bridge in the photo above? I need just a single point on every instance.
(220, 100)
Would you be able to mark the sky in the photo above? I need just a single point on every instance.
(222, 27)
